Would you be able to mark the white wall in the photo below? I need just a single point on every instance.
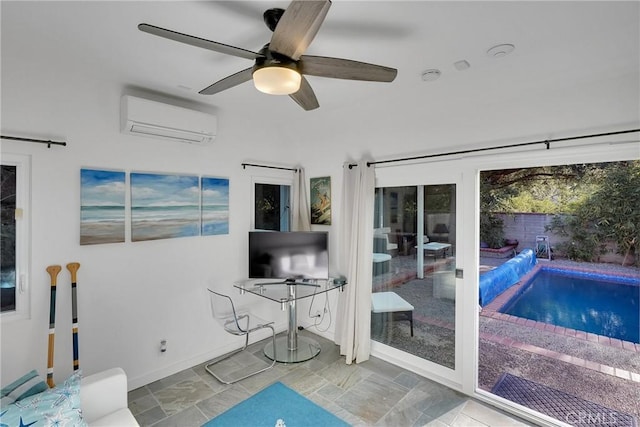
(130, 295)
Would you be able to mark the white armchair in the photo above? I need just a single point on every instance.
(103, 398)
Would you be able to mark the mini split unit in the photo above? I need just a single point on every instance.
(143, 117)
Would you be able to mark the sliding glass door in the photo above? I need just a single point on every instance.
(414, 285)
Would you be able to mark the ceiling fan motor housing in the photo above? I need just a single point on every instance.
(271, 17)
(274, 59)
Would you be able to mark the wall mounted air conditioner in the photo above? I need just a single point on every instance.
(157, 120)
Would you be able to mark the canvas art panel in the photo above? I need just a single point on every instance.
(102, 206)
(215, 205)
(164, 206)
(321, 200)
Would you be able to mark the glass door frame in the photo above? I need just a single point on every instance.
(422, 175)
(570, 153)
(465, 173)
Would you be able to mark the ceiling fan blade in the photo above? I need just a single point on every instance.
(338, 68)
(305, 96)
(198, 42)
(229, 82)
(298, 26)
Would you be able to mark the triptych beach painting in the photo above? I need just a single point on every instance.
(163, 206)
(215, 206)
(102, 214)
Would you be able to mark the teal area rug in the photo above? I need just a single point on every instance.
(276, 405)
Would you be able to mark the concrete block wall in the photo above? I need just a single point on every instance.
(524, 227)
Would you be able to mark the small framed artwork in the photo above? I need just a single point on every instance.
(321, 200)
(102, 210)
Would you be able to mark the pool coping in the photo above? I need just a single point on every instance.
(491, 311)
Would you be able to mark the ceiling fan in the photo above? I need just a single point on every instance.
(280, 65)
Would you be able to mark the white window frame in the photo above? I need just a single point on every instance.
(23, 236)
(270, 181)
(570, 153)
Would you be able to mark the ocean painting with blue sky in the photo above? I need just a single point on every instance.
(102, 206)
(215, 206)
(164, 206)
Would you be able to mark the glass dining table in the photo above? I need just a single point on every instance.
(291, 348)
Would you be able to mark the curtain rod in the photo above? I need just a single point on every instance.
(39, 141)
(244, 166)
(500, 147)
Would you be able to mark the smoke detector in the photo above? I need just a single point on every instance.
(431, 75)
(462, 65)
(498, 51)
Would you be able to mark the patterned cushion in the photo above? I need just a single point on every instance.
(25, 386)
(58, 406)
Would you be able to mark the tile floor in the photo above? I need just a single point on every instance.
(374, 393)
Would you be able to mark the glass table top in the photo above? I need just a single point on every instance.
(280, 291)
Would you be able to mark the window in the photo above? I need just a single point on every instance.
(14, 239)
(272, 206)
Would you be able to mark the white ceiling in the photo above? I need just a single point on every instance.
(575, 66)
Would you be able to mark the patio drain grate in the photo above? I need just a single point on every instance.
(558, 404)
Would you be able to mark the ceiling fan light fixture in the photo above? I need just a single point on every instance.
(276, 80)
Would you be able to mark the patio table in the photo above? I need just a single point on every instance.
(435, 248)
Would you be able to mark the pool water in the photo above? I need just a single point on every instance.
(602, 305)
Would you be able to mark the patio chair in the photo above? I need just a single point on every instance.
(392, 304)
(383, 235)
(239, 324)
(440, 233)
(543, 248)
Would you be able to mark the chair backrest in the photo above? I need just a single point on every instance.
(223, 309)
(381, 230)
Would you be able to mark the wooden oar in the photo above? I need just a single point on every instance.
(73, 269)
(53, 271)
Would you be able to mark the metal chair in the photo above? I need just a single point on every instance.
(236, 323)
(543, 248)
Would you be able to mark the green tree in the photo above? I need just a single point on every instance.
(615, 207)
(491, 230)
(610, 214)
(545, 189)
(595, 204)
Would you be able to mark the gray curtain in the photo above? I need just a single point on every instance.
(353, 320)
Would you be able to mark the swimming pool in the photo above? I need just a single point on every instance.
(597, 303)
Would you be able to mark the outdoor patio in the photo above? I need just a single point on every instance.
(591, 367)
(595, 368)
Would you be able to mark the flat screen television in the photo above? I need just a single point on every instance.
(288, 256)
